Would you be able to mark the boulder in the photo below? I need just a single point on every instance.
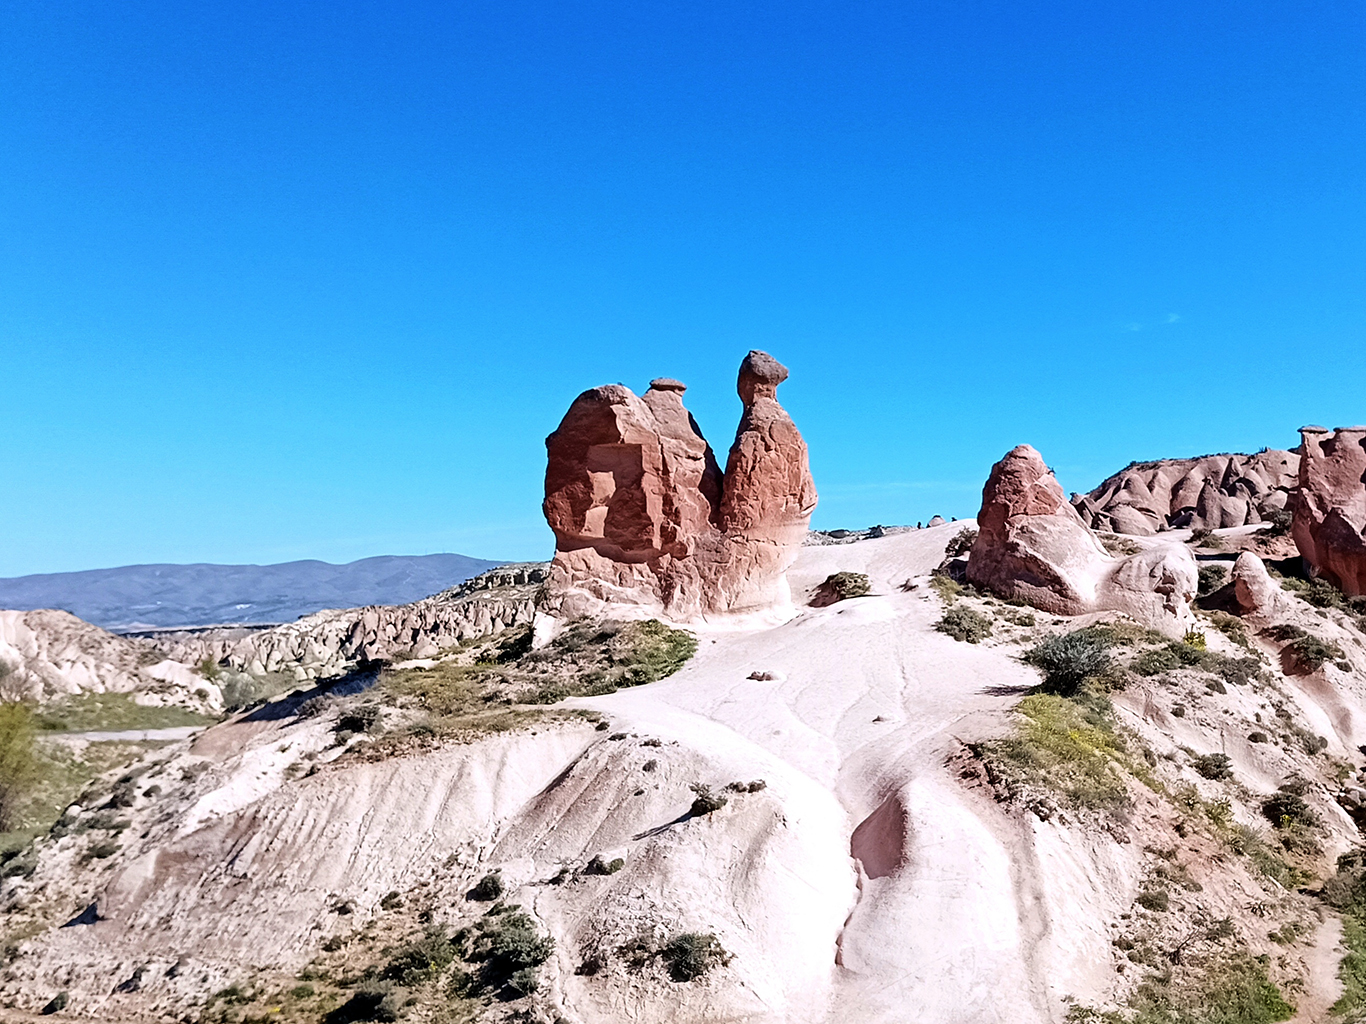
(643, 515)
(1329, 507)
(1033, 546)
(1258, 596)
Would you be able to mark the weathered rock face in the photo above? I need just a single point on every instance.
(46, 654)
(1033, 546)
(643, 515)
(1330, 505)
(1259, 597)
(1212, 492)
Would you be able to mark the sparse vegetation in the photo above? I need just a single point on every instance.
(1069, 660)
(961, 543)
(1305, 651)
(841, 586)
(1212, 576)
(598, 866)
(18, 762)
(964, 624)
(948, 589)
(509, 950)
(692, 954)
(705, 801)
(488, 888)
(1346, 893)
(111, 712)
(1065, 746)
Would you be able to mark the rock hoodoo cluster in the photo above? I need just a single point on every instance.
(1033, 546)
(1212, 492)
(643, 515)
(1330, 505)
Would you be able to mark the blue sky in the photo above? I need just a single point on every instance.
(284, 280)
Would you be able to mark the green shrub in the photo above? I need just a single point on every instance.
(598, 866)
(961, 543)
(1069, 660)
(1231, 988)
(1286, 810)
(507, 946)
(1212, 577)
(488, 888)
(1280, 520)
(705, 801)
(360, 719)
(1308, 652)
(1156, 900)
(964, 624)
(18, 761)
(841, 586)
(1214, 766)
(420, 960)
(692, 954)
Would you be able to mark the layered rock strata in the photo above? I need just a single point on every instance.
(1212, 492)
(1330, 505)
(1033, 546)
(644, 516)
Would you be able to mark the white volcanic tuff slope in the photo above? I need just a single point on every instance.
(958, 912)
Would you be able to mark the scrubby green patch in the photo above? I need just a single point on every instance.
(488, 685)
(1066, 746)
(111, 712)
(1307, 652)
(1069, 660)
(961, 543)
(1223, 987)
(948, 589)
(18, 761)
(964, 624)
(692, 954)
(1212, 576)
(1345, 892)
(841, 586)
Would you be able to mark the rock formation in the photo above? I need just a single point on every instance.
(1330, 506)
(1033, 546)
(1212, 492)
(1259, 598)
(47, 653)
(328, 643)
(643, 515)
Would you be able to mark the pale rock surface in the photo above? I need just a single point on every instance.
(1330, 507)
(868, 883)
(46, 654)
(329, 643)
(1260, 598)
(1033, 546)
(644, 517)
(1211, 492)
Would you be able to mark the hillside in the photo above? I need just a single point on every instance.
(167, 596)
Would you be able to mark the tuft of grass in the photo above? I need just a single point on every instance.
(1066, 746)
(705, 801)
(1306, 651)
(1226, 988)
(111, 712)
(691, 955)
(948, 589)
(1211, 577)
(1214, 766)
(488, 888)
(964, 624)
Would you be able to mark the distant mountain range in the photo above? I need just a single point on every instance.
(162, 596)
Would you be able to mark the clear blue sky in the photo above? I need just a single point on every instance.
(284, 280)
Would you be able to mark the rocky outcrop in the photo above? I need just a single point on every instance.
(643, 515)
(1212, 492)
(1258, 597)
(1330, 506)
(46, 654)
(1033, 546)
(330, 642)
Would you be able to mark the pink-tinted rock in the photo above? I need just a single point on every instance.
(643, 515)
(1033, 546)
(1212, 492)
(1330, 506)
(1259, 597)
